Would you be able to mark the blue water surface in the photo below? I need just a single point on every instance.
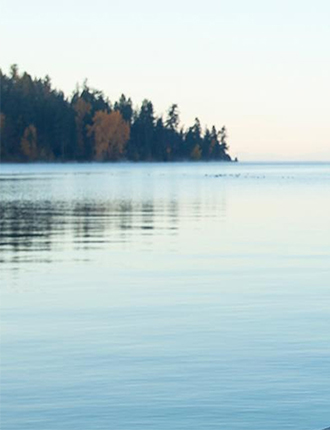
(191, 296)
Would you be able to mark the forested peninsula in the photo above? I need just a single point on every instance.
(39, 123)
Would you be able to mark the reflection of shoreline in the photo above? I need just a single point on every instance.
(42, 225)
(130, 206)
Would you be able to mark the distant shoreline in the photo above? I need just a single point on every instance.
(111, 162)
(38, 123)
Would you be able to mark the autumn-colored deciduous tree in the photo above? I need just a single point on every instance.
(110, 133)
(2, 121)
(2, 128)
(29, 142)
(196, 153)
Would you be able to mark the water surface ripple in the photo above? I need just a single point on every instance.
(165, 296)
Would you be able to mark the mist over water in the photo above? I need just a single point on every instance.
(165, 296)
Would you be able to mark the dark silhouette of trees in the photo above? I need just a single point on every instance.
(38, 123)
(124, 106)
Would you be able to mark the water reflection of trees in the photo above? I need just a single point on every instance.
(43, 225)
(34, 230)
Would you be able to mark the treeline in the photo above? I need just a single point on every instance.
(37, 122)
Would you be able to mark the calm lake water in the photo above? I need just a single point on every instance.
(165, 296)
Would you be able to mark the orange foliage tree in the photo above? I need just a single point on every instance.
(29, 142)
(110, 133)
(2, 121)
(196, 153)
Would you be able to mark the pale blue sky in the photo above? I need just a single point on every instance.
(261, 68)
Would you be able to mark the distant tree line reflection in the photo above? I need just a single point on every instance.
(44, 225)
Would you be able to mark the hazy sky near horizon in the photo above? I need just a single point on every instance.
(260, 67)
